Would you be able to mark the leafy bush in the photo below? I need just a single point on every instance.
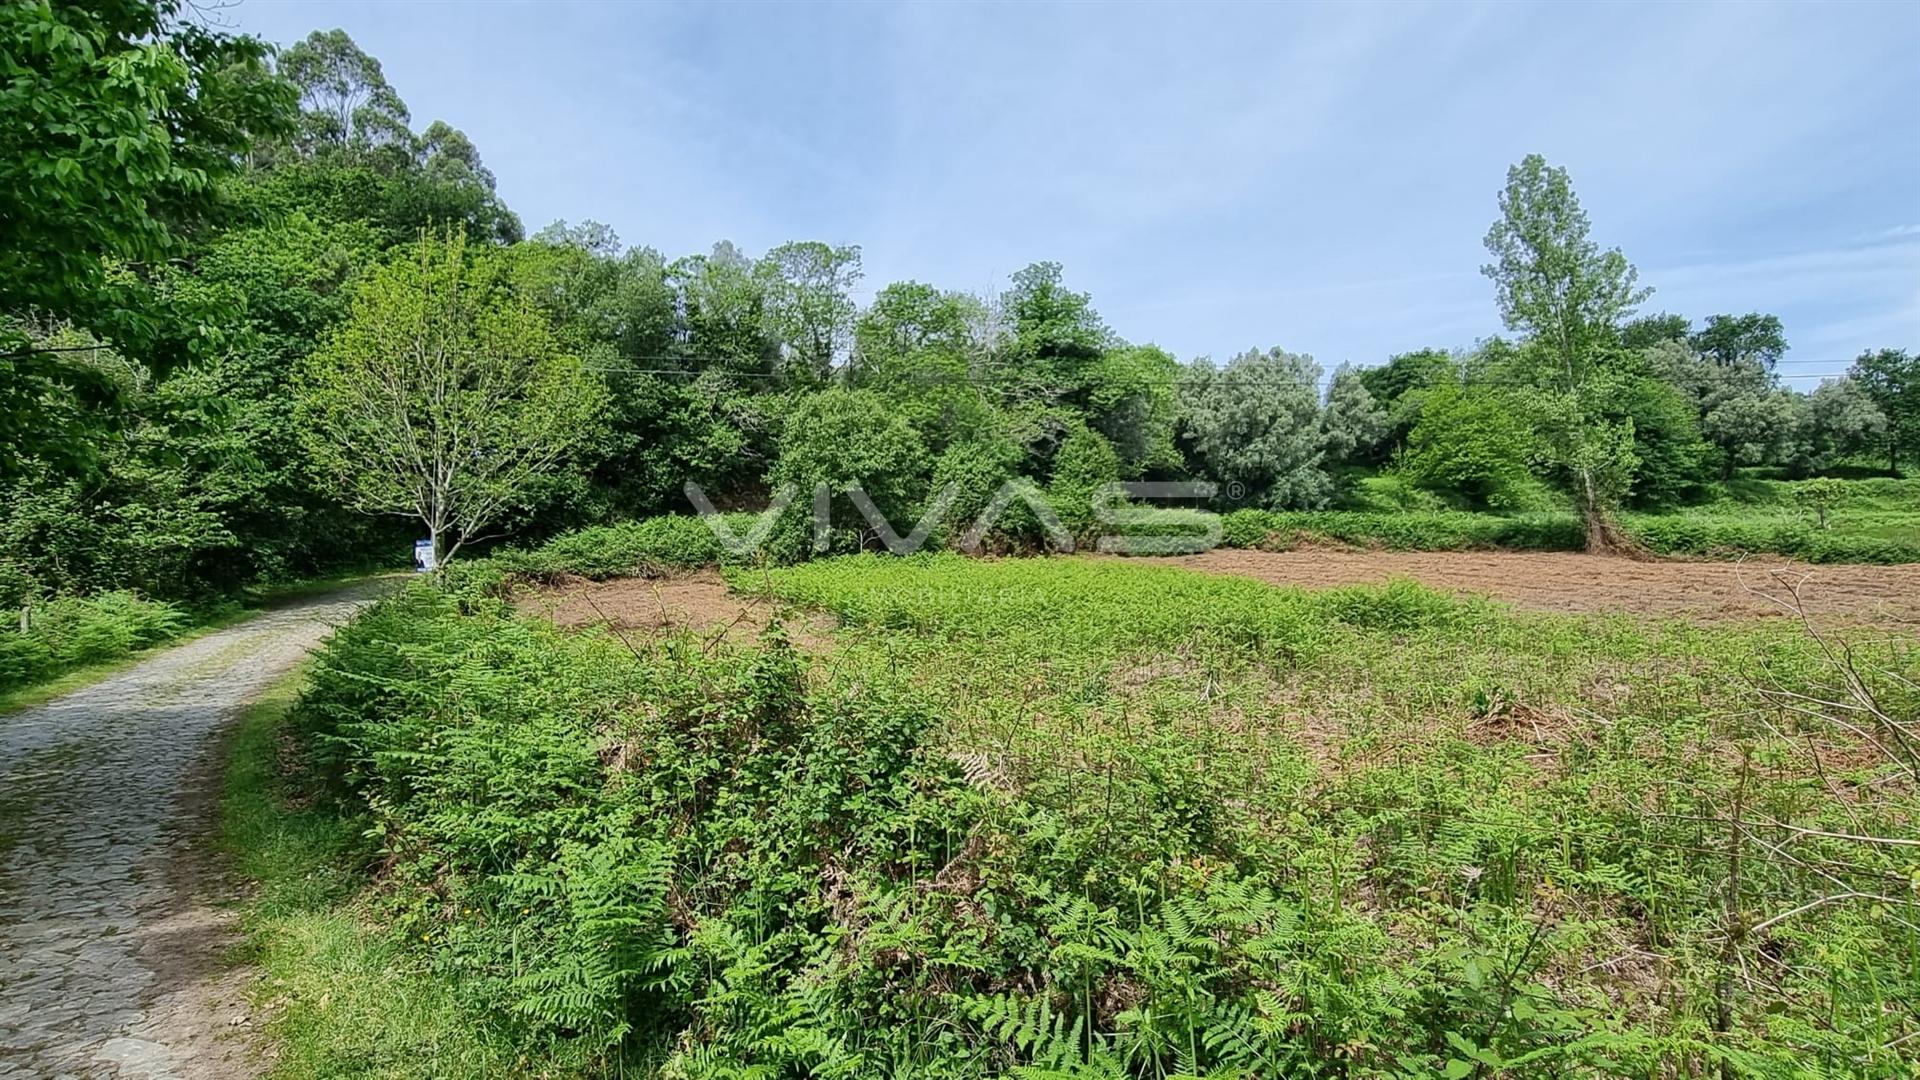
(69, 632)
(1474, 442)
(1705, 534)
(1409, 531)
(1870, 537)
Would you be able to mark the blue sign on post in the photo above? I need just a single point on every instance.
(423, 560)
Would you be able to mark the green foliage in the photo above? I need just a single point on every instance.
(1820, 496)
(645, 548)
(1651, 330)
(1254, 427)
(1754, 340)
(443, 397)
(1891, 378)
(1838, 421)
(1666, 441)
(1084, 467)
(1354, 423)
(1234, 830)
(1406, 530)
(1131, 399)
(1554, 284)
(844, 438)
(1863, 529)
(117, 120)
(70, 632)
(1473, 441)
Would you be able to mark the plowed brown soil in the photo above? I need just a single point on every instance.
(652, 607)
(1554, 581)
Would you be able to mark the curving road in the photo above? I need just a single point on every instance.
(111, 925)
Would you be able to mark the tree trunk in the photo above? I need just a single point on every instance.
(1604, 537)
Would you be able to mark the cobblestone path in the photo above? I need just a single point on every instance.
(111, 932)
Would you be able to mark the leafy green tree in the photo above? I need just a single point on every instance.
(723, 312)
(345, 99)
(1554, 284)
(1086, 463)
(807, 286)
(1838, 421)
(1820, 496)
(1742, 412)
(611, 306)
(1650, 330)
(1354, 423)
(1253, 426)
(1041, 372)
(616, 310)
(287, 285)
(118, 120)
(1891, 377)
(1057, 335)
(354, 157)
(1472, 442)
(913, 333)
(917, 345)
(1398, 387)
(1131, 399)
(974, 468)
(1753, 340)
(843, 438)
(444, 397)
(1750, 427)
(1666, 440)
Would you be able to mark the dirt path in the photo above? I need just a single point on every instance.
(111, 933)
(1881, 595)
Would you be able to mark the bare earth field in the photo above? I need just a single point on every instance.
(1886, 596)
(649, 607)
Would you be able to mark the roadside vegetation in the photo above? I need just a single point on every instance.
(65, 642)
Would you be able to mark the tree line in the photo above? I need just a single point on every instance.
(243, 302)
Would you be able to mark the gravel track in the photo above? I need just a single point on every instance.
(113, 927)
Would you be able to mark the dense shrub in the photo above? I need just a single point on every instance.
(1442, 530)
(1878, 539)
(1474, 442)
(70, 632)
(1705, 534)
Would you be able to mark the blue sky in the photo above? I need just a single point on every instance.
(1219, 177)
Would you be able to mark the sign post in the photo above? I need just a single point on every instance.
(423, 558)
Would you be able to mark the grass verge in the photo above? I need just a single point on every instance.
(341, 997)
